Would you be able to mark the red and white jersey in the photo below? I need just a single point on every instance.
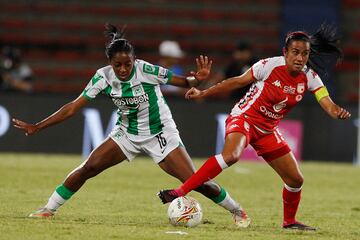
(274, 93)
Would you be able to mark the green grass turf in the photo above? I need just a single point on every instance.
(121, 203)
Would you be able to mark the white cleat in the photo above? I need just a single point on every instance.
(241, 219)
(42, 213)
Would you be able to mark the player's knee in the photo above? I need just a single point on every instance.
(231, 158)
(89, 170)
(296, 181)
(299, 181)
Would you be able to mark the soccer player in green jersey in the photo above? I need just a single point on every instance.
(144, 125)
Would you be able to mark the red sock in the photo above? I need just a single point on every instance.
(291, 202)
(209, 170)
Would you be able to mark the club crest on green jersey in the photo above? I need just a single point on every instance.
(137, 90)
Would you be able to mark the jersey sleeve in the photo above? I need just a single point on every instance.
(314, 81)
(155, 74)
(95, 86)
(263, 68)
(315, 85)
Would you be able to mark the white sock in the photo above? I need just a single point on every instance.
(229, 203)
(291, 189)
(55, 201)
(220, 160)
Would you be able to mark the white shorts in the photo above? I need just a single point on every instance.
(156, 146)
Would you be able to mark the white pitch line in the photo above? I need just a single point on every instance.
(242, 170)
(177, 232)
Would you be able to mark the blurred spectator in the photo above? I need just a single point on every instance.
(170, 58)
(242, 60)
(15, 75)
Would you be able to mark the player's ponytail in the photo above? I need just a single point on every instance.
(324, 48)
(117, 41)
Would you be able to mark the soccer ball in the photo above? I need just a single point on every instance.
(185, 211)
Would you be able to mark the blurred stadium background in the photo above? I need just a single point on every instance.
(63, 43)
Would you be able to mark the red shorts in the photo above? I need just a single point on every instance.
(268, 145)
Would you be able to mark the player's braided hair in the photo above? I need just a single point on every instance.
(117, 41)
(323, 46)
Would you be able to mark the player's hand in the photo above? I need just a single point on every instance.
(203, 68)
(343, 113)
(29, 129)
(193, 93)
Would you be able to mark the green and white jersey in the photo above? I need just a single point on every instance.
(142, 109)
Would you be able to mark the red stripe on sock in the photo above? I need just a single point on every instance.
(291, 202)
(209, 170)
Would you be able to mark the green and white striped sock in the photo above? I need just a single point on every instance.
(59, 197)
(226, 201)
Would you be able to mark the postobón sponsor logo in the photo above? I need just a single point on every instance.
(130, 102)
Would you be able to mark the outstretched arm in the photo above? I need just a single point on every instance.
(334, 110)
(62, 114)
(224, 87)
(203, 71)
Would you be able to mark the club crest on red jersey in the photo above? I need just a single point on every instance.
(300, 87)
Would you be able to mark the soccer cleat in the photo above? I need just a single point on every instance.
(167, 196)
(241, 219)
(299, 226)
(42, 213)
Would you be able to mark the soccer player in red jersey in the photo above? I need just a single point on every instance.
(278, 84)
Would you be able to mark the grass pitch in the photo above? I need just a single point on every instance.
(121, 203)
